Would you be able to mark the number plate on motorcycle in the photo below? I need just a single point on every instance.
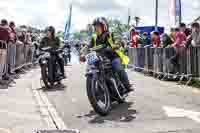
(92, 58)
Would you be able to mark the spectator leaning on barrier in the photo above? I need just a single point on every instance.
(166, 41)
(179, 48)
(184, 29)
(13, 34)
(155, 39)
(145, 39)
(133, 37)
(22, 36)
(180, 38)
(28, 38)
(5, 30)
(172, 34)
(195, 37)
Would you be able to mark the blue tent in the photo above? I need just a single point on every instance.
(149, 29)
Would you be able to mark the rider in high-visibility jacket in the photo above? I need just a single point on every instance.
(104, 39)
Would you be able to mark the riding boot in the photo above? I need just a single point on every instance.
(124, 78)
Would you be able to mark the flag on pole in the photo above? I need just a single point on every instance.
(175, 12)
(68, 24)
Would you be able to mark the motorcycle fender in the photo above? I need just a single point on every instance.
(92, 73)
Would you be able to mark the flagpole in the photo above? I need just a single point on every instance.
(156, 16)
(68, 23)
(180, 6)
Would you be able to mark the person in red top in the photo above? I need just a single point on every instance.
(155, 39)
(133, 38)
(4, 30)
(179, 47)
(180, 38)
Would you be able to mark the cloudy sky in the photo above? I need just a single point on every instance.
(41, 13)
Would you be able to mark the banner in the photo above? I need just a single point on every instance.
(175, 12)
(68, 24)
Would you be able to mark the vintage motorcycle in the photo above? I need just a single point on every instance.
(103, 85)
(50, 69)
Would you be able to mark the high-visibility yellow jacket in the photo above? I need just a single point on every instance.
(119, 52)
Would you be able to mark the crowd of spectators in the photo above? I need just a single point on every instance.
(8, 33)
(14, 36)
(181, 36)
(179, 39)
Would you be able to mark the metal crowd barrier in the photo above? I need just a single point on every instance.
(14, 56)
(3, 59)
(166, 62)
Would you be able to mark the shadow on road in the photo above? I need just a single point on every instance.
(119, 113)
(57, 87)
(9, 80)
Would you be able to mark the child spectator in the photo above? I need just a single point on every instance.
(155, 39)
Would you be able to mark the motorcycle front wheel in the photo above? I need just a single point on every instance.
(44, 73)
(99, 96)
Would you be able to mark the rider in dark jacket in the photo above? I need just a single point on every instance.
(53, 42)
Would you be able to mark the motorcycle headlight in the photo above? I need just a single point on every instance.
(44, 61)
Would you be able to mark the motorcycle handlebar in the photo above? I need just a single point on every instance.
(51, 50)
(99, 49)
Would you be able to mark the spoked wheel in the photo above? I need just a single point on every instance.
(117, 90)
(99, 96)
(44, 72)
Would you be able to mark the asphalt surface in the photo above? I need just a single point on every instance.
(155, 107)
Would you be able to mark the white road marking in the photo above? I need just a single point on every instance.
(59, 123)
(44, 111)
(48, 112)
(175, 112)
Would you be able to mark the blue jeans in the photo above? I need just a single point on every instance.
(119, 69)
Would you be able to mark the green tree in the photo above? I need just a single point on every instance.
(117, 26)
(80, 35)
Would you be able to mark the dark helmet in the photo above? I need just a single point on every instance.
(51, 29)
(101, 21)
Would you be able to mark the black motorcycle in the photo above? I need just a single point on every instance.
(50, 69)
(103, 85)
